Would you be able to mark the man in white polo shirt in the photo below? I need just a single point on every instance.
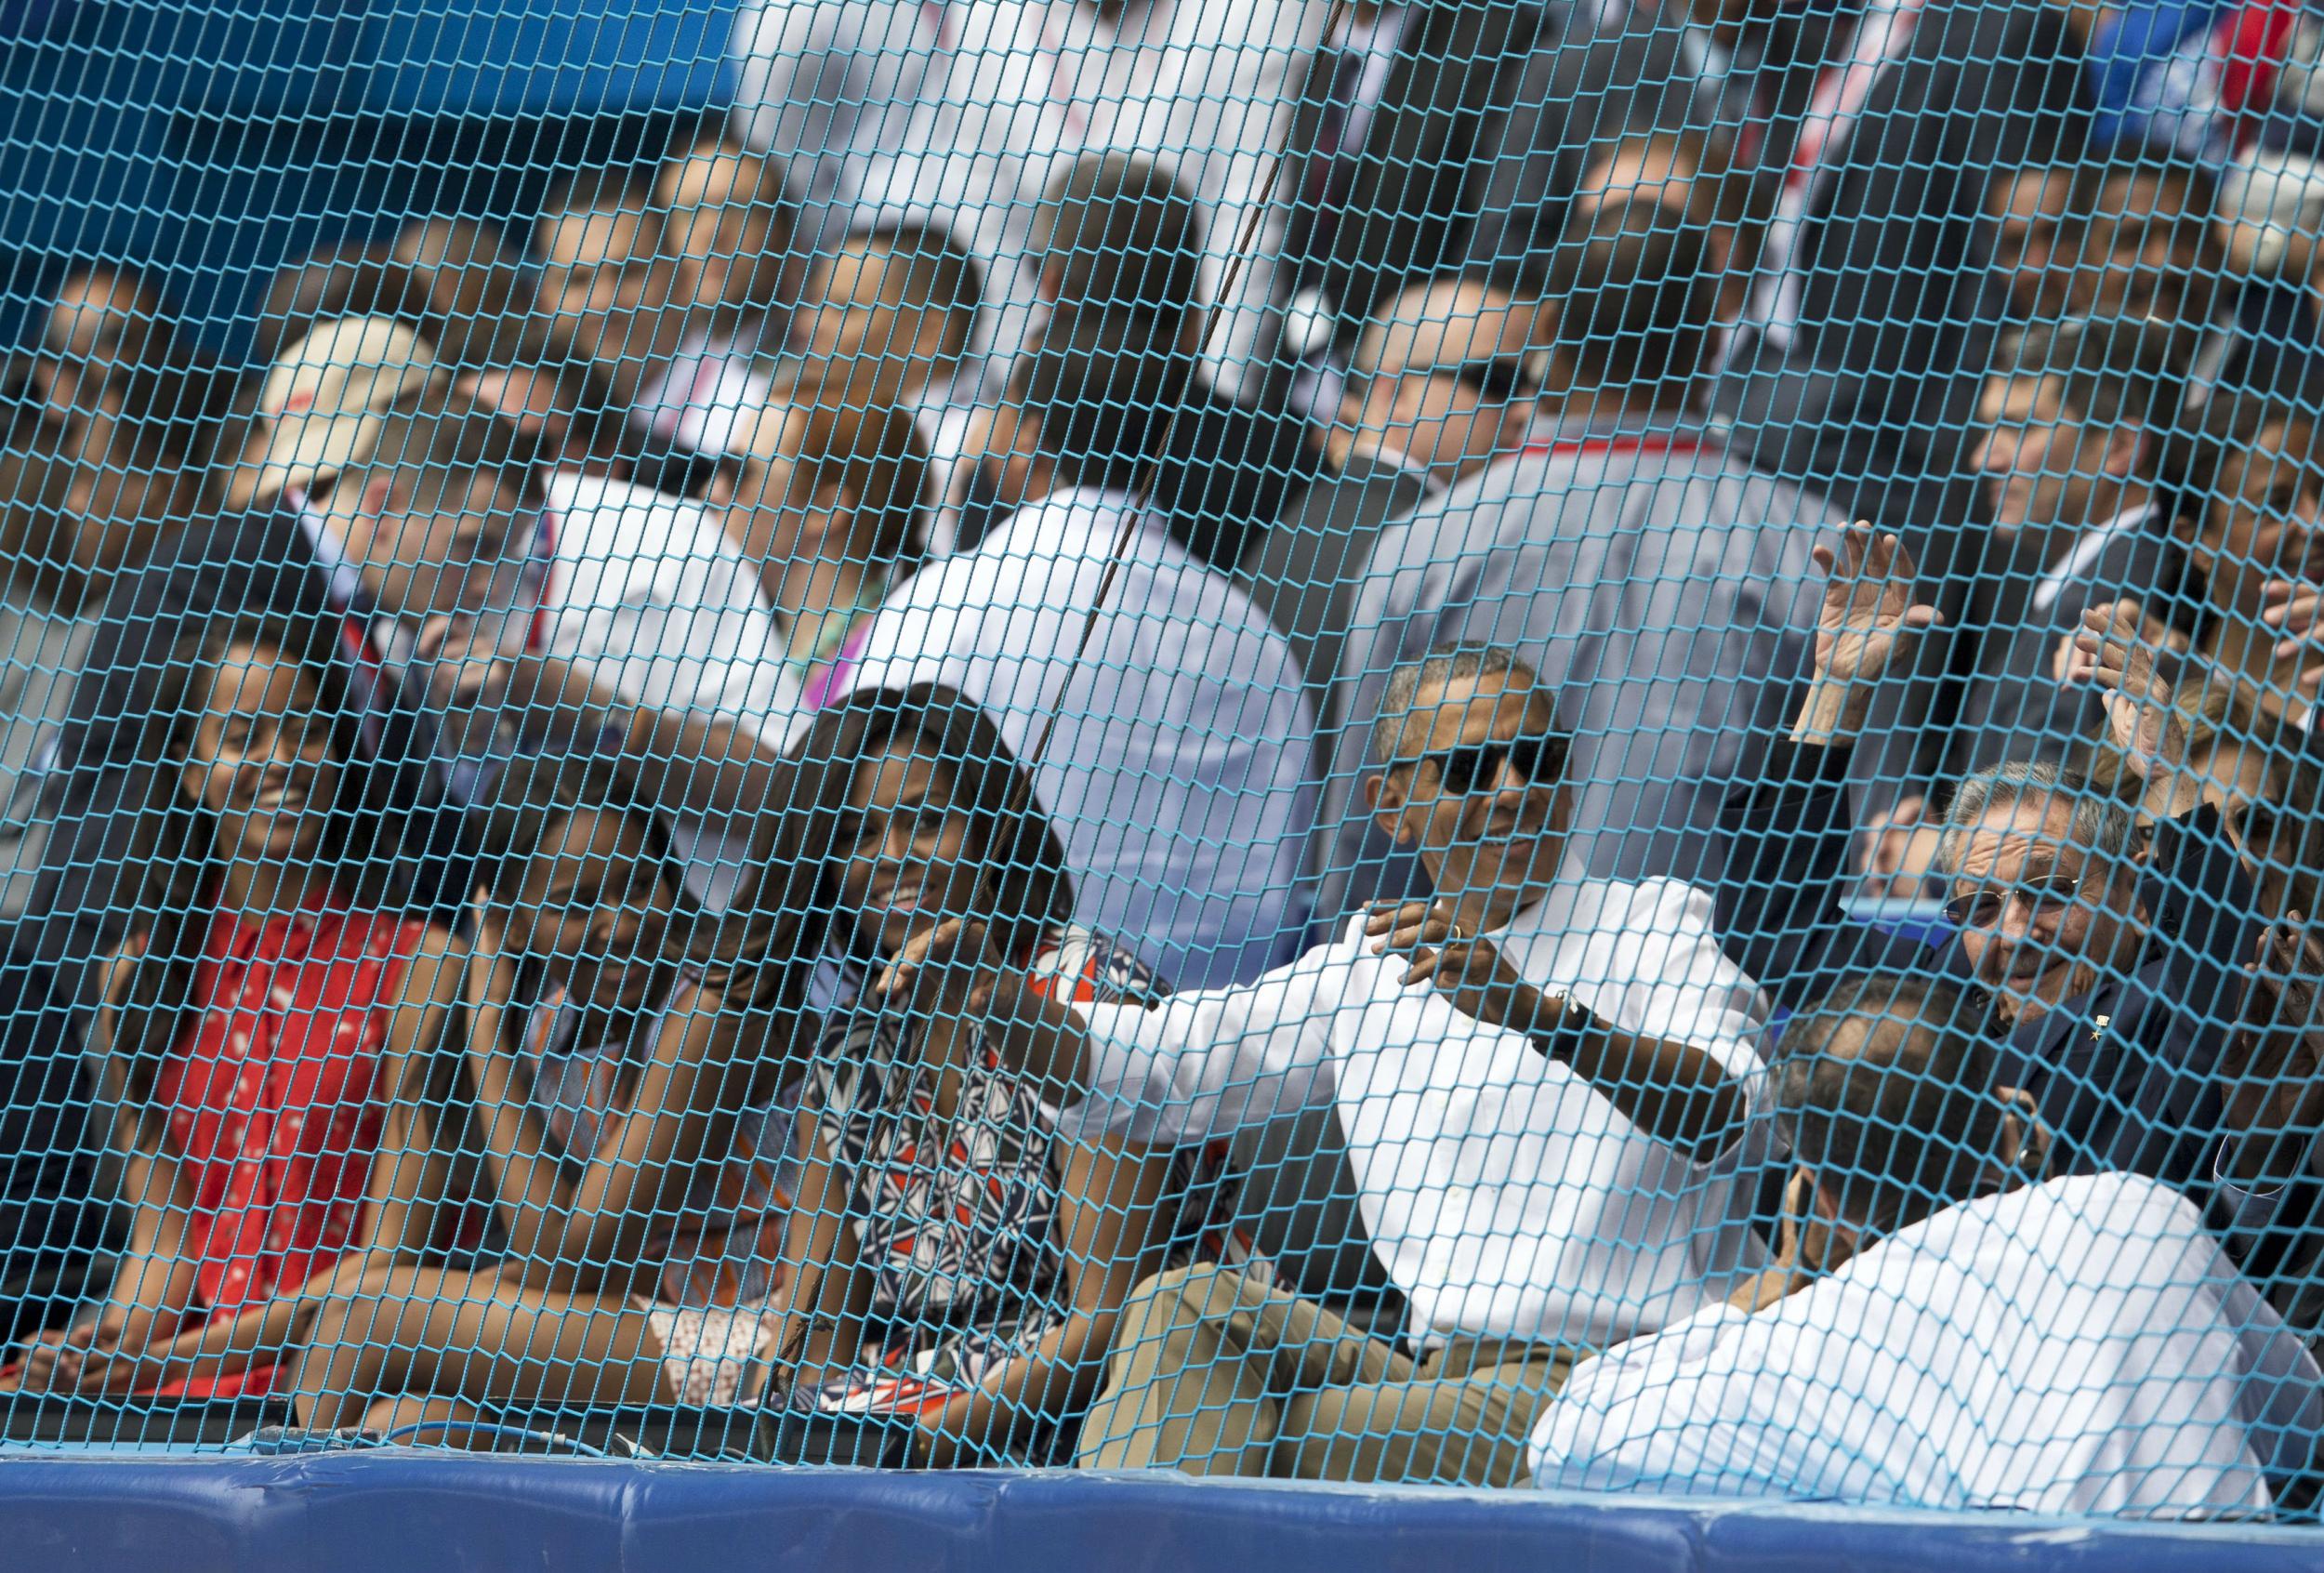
(1533, 1076)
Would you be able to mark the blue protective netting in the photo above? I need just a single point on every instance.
(1412, 741)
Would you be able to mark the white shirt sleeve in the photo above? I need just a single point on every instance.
(1207, 1062)
(1687, 989)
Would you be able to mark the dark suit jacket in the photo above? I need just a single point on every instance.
(2125, 1074)
(1895, 251)
(1415, 183)
(2014, 709)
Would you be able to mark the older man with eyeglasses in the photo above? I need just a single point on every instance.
(1540, 1080)
(2114, 956)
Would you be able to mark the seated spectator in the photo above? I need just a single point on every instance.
(2032, 212)
(256, 936)
(413, 516)
(1960, 1334)
(890, 318)
(1445, 377)
(919, 853)
(106, 450)
(1118, 238)
(2107, 968)
(105, 323)
(2148, 246)
(2255, 466)
(1684, 171)
(360, 367)
(1176, 737)
(2074, 420)
(727, 222)
(753, 605)
(605, 280)
(632, 1136)
(1531, 1074)
(1118, 234)
(1657, 583)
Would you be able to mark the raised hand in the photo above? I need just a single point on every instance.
(951, 964)
(1869, 606)
(2273, 1066)
(2295, 609)
(2111, 649)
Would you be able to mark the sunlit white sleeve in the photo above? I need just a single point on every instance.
(1207, 1062)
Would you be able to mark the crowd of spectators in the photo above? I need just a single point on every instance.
(1388, 742)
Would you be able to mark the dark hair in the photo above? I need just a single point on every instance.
(2106, 369)
(171, 872)
(1884, 1087)
(1019, 848)
(2186, 200)
(353, 278)
(940, 272)
(620, 188)
(1635, 296)
(538, 792)
(1123, 234)
(1100, 389)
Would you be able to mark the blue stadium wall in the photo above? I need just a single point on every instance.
(440, 1513)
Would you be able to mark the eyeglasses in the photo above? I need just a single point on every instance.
(1537, 757)
(1984, 909)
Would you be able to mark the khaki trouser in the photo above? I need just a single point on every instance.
(1216, 1374)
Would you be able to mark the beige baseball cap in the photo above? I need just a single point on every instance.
(327, 396)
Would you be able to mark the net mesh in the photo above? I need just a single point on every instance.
(1473, 742)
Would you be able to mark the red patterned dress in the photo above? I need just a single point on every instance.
(270, 1099)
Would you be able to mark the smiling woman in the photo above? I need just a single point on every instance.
(259, 1035)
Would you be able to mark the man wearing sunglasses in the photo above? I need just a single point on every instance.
(1657, 583)
(1532, 1076)
(2112, 965)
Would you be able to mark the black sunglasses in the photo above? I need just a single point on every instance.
(1537, 757)
(1522, 378)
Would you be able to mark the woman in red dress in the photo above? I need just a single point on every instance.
(263, 1037)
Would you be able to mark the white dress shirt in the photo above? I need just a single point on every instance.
(1505, 1195)
(651, 593)
(1176, 775)
(2082, 1346)
(2087, 549)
